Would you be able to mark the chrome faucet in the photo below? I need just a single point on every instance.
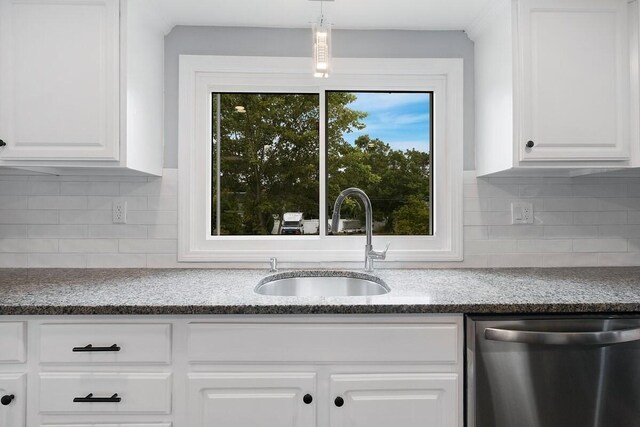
(273, 264)
(369, 253)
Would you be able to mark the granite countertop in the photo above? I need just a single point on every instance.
(200, 291)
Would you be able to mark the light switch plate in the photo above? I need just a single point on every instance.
(521, 213)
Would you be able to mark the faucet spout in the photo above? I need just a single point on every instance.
(369, 253)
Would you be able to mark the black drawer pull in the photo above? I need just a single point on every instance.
(7, 399)
(90, 347)
(90, 399)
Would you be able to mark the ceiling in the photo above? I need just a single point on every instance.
(343, 14)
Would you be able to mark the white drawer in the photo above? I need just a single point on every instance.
(120, 343)
(12, 342)
(275, 342)
(148, 393)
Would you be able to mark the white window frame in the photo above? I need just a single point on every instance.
(200, 76)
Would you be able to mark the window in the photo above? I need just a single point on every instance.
(381, 143)
(266, 161)
(265, 148)
(265, 168)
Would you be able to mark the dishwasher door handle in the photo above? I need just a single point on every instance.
(563, 338)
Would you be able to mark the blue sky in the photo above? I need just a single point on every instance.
(399, 119)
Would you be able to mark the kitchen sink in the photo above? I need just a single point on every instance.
(322, 284)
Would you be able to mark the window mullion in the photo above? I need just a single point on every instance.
(323, 165)
(218, 162)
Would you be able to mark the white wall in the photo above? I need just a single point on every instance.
(49, 221)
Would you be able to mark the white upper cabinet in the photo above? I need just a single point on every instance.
(553, 86)
(60, 79)
(67, 79)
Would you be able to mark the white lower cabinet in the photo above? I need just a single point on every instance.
(252, 399)
(233, 371)
(383, 400)
(13, 399)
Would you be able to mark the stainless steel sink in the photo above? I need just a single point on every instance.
(321, 284)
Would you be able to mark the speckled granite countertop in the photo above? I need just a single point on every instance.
(197, 291)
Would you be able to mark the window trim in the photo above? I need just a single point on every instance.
(199, 76)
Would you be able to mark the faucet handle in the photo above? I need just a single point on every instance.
(379, 254)
(273, 263)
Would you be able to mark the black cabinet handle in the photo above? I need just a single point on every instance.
(307, 399)
(2, 143)
(530, 144)
(90, 399)
(339, 401)
(90, 347)
(7, 399)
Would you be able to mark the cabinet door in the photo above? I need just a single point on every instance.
(252, 399)
(573, 80)
(13, 414)
(383, 400)
(59, 79)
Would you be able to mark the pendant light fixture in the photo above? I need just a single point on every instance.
(321, 45)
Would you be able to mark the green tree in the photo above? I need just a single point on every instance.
(270, 157)
(412, 217)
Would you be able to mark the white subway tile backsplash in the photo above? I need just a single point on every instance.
(544, 246)
(569, 231)
(24, 216)
(44, 188)
(90, 188)
(13, 202)
(600, 245)
(162, 203)
(89, 245)
(118, 231)
(552, 218)
(34, 231)
(152, 217)
(13, 260)
(151, 246)
(116, 260)
(515, 231)
(58, 260)
(564, 204)
(514, 260)
(86, 217)
(490, 246)
(570, 260)
(597, 218)
(546, 190)
(617, 259)
(14, 188)
(12, 231)
(66, 221)
(57, 202)
(475, 232)
(162, 232)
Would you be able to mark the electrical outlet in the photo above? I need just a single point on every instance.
(119, 212)
(521, 213)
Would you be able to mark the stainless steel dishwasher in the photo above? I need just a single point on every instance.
(553, 371)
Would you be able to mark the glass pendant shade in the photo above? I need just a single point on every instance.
(321, 47)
